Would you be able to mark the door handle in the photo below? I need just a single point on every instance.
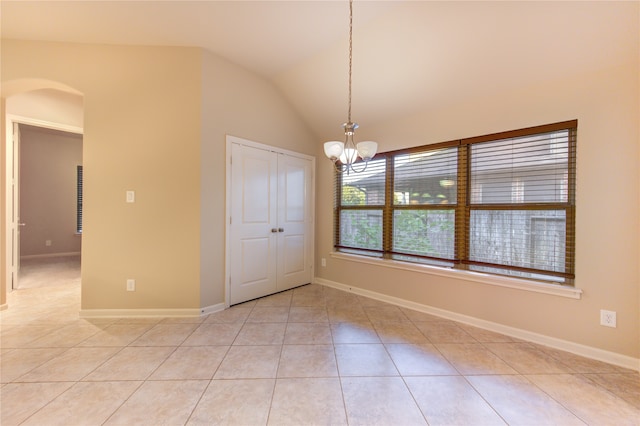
(274, 230)
(280, 229)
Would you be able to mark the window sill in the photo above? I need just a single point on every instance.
(514, 283)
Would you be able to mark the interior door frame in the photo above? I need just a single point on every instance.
(13, 189)
(230, 140)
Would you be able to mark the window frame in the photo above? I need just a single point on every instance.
(464, 207)
(79, 197)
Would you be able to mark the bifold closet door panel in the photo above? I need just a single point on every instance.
(253, 220)
(294, 221)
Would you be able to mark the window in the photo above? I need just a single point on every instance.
(79, 182)
(502, 203)
(362, 197)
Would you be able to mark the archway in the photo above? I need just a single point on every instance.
(35, 102)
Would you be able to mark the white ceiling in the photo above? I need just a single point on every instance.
(407, 55)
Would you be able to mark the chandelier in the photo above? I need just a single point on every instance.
(348, 151)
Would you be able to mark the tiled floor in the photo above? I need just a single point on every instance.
(312, 355)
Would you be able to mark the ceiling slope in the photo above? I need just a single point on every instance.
(407, 56)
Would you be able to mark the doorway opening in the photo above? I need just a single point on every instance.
(44, 132)
(50, 207)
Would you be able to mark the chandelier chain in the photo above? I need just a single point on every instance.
(350, 52)
(345, 154)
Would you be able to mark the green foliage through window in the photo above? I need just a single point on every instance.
(502, 203)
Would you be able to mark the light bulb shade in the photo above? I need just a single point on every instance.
(367, 150)
(333, 150)
(349, 156)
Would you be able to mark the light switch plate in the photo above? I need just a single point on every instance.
(131, 196)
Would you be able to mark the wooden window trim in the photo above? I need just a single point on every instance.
(464, 205)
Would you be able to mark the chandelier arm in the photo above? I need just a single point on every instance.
(339, 169)
(359, 171)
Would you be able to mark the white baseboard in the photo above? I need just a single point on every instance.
(212, 309)
(565, 345)
(47, 255)
(151, 313)
(139, 313)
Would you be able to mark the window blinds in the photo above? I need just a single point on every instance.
(501, 203)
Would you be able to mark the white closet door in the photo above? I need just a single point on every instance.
(294, 221)
(253, 221)
(271, 223)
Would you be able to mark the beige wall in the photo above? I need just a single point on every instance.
(238, 103)
(142, 133)
(608, 211)
(155, 121)
(48, 190)
(4, 264)
(52, 107)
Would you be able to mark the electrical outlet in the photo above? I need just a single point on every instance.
(608, 318)
(131, 285)
(323, 262)
(47, 243)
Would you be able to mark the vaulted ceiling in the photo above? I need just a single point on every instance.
(407, 55)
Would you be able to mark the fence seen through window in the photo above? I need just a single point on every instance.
(501, 203)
